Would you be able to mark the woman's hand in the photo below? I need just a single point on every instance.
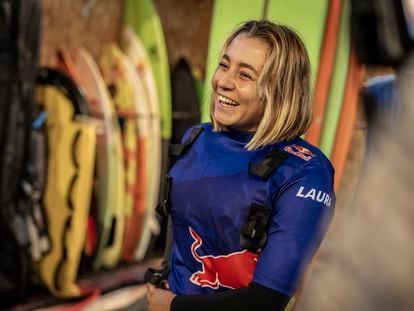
(159, 299)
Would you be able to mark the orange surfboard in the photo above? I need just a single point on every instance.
(345, 128)
(326, 66)
(135, 221)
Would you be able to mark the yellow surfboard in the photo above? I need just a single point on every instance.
(114, 69)
(71, 149)
(106, 167)
(136, 52)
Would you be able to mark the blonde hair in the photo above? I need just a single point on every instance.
(284, 84)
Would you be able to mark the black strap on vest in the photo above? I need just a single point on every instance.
(267, 166)
(158, 277)
(163, 207)
(179, 149)
(253, 234)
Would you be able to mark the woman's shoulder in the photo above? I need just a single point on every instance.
(305, 167)
(302, 153)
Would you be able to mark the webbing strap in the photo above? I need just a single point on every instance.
(266, 167)
(179, 149)
(253, 234)
(163, 207)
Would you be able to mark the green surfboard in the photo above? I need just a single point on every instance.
(307, 18)
(142, 16)
(227, 14)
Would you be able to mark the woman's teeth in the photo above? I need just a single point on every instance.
(227, 101)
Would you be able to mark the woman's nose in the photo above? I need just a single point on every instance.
(226, 81)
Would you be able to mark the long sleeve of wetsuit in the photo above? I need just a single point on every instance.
(253, 297)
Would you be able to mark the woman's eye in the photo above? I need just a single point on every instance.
(223, 65)
(245, 75)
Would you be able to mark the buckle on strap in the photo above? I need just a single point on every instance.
(163, 207)
(253, 234)
(179, 149)
(157, 277)
(266, 167)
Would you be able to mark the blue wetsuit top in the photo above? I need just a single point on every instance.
(211, 195)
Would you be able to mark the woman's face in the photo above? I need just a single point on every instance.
(235, 84)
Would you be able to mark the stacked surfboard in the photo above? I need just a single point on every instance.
(127, 117)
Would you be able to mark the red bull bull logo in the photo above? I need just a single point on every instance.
(299, 151)
(232, 270)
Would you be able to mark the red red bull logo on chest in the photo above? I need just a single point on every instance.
(233, 270)
(299, 151)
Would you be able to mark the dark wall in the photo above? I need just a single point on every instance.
(70, 24)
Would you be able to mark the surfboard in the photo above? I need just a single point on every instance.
(71, 154)
(138, 221)
(224, 19)
(345, 128)
(338, 80)
(134, 49)
(307, 18)
(118, 299)
(198, 78)
(144, 19)
(114, 69)
(324, 73)
(106, 154)
(186, 107)
(65, 63)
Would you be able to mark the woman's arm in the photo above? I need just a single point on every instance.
(253, 297)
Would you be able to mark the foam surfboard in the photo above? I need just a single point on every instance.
(307, 18)
(140, 237)
(65, 63)
(325, 70)
(106, 154)
(338, 81)
(345, 128)
(71, 145)
(143, 18)
(115, 70)
(134, 139)
(138, 220)
(224, 19)
(118, 299)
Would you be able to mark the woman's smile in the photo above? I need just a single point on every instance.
(226, 102)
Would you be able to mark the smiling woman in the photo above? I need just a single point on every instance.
(250, 201)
